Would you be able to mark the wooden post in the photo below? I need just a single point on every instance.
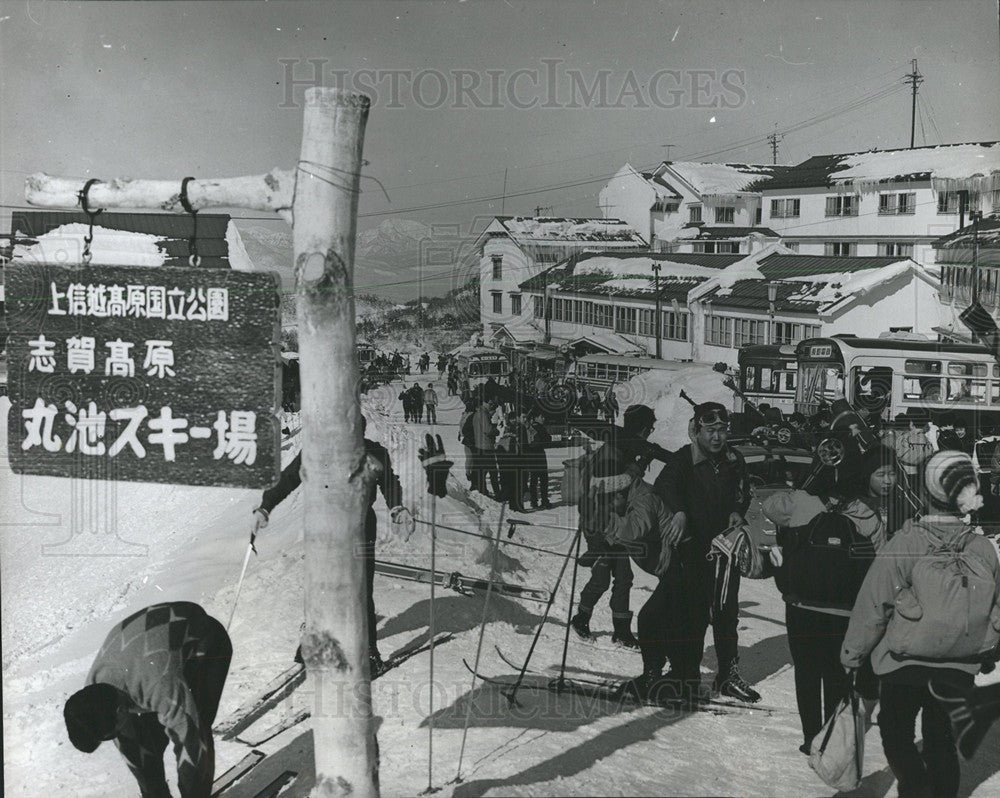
(335, 643)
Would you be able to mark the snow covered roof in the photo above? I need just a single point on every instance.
(949, 167)
(544, 229)
(130, 239)
(988, 235)
(722, 232)
(710, 179)
(630, 273)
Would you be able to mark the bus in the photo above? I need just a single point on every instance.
(768, 374)
(480, 363)
(890, 376)
(602, 371)
(366, 354)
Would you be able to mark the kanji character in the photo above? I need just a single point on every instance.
(116, 300)
(97, 300)
(156, 302)
(218, 304)
(168, 432)
(76, 294)
(129, 435)
(240, 442)
(42, 356)
(196, 305)
(119, 363)
(175, 304)
(55, 310)
(88, 427)
(38, 422)
(159, 358)
(135, 303)
(80, 354)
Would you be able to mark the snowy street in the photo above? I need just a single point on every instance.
(172, 543)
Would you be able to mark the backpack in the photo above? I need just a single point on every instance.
(824, 561)
(948, 611)
(467, 432)
(912, 448)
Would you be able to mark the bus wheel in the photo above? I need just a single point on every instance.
(783, 434)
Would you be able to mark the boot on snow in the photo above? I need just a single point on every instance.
(581, 624)
(730, 683)
(623, 633)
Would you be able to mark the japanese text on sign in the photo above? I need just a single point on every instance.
(140, 301)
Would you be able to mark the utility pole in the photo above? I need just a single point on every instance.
(658, 326)
(540, 208)
(503, 199)
(974, 217)
(773, 140)
(915, 79)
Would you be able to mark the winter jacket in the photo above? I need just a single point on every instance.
(386, 480)
(144, 656)
(889, 575)
(618, 451)
(640, 531)
(430, 397)
(796, 508)
(707, 491)
(485, 429)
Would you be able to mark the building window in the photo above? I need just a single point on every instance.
(847, 249)
(515, 304)
(719, 330)
(603, 315)
(497, 267)
(539, 306)
(792, 245)
(785, 208)
(787, 332)
(646, 326)
(716, 247)
(557, 310)
(625, 320)
(675, 325)
(749, 331)
(842, 205)
(757, 215)
(725, 215)
(893, 249)
(497, 301)
(995, 204)
(950, 202)
(694, 213)
(892, 204)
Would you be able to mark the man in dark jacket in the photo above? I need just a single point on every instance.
(392, 492)
(625, 446)
(157, 679)
(704, 484)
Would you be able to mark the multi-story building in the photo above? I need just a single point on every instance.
(686, 206)
(711, 305)
(513, 249)
(971, 257)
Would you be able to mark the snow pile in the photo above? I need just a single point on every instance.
(238, 257)
(741, 270)
(553, 229)
(970, 167)
(639, 267)
(831, 288)
(721, 178)
(64, 246)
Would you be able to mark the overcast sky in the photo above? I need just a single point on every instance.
(164, 90)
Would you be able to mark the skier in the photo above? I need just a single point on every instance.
(157, 679)
(431, 403)
(538, 467)
(407, 399)
(392, 491)
(485, 435)
(417, 403)
(608, 563)
(926, 613)
(704, 484)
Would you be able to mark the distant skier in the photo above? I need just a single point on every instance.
(158, 678)
(431, 403)
(392, 491)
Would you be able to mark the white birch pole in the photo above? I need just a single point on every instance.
(335, 644)
(324, 192)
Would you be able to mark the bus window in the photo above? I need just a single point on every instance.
(766, 376)
(967, 391)
(923, 367)
(789, 382)
(750, 379)
(820, 383)
(967, 369)
(872, 386)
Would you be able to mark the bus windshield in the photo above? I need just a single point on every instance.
(818, 383)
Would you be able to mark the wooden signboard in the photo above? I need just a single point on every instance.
(144, 374)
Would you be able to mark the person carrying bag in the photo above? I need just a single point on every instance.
(837, 753)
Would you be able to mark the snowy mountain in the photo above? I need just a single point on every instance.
(387, 257)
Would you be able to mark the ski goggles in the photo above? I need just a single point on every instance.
(712, 417)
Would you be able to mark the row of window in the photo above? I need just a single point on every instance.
(736, 332)
(515, 303)
(632, 321)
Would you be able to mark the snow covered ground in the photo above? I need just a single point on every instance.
(78, 557)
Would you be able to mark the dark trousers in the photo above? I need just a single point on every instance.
(143, 740)
(432, 414)
(814, 641)
(418, 413)
(511, 478)
(486, 464)
(538, 479)
(933, 772)
(368, 552)
(616, 566)
(661, 625)
(696, 590)
(725, 620)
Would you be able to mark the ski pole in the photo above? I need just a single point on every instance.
(569, 617)
(431, 627)
(512, 695)
(243, 573)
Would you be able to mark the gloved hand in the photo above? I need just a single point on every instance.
(437, 466)
(401, 516)
(260, 519)
(774, 553)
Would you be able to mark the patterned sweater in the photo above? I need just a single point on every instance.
(144, 657)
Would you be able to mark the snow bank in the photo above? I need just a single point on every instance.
(636, 267)
(64, 245)
(952, 168)
(721, 178)
(570, 229)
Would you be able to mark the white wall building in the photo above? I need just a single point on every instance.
(513, 249)
(712, 305)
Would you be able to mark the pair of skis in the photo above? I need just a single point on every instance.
(613, 691)
(456, 581)
(282, 686)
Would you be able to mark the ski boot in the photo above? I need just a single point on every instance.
(581, 624)
(623, 633)
(730, 683)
